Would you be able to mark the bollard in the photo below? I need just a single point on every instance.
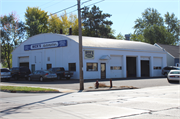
(97, 84)
(110, 83)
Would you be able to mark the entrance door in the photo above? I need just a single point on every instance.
(103, 70)
(32, 68)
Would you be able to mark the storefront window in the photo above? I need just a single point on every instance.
(92, 66)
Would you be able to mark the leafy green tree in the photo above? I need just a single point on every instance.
(173, 24)
(158, 34)
(151, 28)
(149, 18)
(36, 21)
(63, 22)
(95, 23)
(135, 37)
(12, 32)
(120, 37)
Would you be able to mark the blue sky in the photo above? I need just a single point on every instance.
(124, 12)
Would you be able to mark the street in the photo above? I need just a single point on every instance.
(74, 84)
(155, 99)
(161, 102)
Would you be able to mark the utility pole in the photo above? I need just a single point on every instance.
(80, 49)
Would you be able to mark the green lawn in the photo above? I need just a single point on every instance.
(26, 89)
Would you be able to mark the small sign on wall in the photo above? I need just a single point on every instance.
(89, 54)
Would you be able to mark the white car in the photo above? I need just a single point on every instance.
(173, 75)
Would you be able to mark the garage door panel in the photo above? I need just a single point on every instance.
(115, 61)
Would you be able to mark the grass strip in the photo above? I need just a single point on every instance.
(26, 89)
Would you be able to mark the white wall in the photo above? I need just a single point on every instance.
(118, 58)
(59, 57)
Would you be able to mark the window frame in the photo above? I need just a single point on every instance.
(70, 67)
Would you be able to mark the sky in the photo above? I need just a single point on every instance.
(124, 12)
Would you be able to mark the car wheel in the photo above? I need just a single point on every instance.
(29, 78)
(169, 80)
(41, 79)
(59, 77)
(165, 74)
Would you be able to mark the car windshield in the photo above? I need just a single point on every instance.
(5, 70)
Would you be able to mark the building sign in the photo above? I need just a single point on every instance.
(89, 54)
(54, 44)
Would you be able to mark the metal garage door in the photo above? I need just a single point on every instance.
(24, 61)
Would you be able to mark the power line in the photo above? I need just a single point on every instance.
(46, 3)
(52, 5)
(95, 3)
(81, 4)
(86, 2)
(63, 10)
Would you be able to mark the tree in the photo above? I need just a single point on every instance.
(36, 21)
(139, 37)
(12, 32)
(158, 34)
(173, 24)
(63, 22)
(95, 23)
(151, 28)
(120, 37)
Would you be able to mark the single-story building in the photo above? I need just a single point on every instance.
(172, 53)
(102, 57)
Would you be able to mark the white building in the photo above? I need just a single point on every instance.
(102, 58)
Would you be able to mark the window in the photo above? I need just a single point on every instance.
(72, 66)
(116, 68)
(92, 66)
(157, 68)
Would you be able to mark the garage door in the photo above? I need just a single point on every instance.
(24, 61)
(115, 66)
(157, 66)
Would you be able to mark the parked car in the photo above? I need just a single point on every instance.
(5, 74)
(167, 69)
(20, 72)
(173, 75)
(61, 73)
(42, 75)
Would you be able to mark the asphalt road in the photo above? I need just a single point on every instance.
(74, 84)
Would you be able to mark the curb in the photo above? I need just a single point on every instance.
(30, 92)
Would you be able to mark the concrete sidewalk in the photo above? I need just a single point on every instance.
(152, 103)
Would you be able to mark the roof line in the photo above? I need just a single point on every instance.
(164, 50)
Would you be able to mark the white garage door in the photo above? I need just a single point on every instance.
(157, 66)
(115, 66)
